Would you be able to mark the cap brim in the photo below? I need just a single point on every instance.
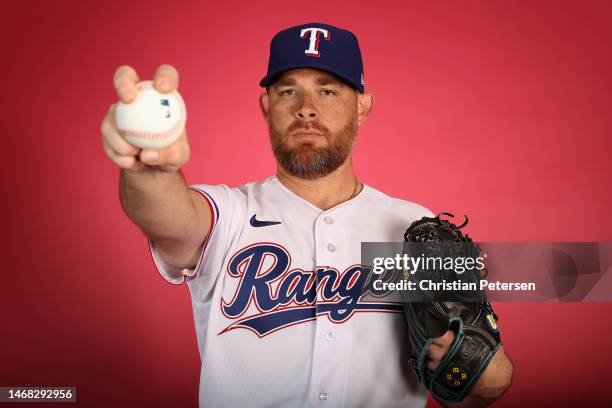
(271, 77)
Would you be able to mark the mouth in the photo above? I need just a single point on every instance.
(306, 134)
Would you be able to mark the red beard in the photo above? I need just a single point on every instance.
(308, 161)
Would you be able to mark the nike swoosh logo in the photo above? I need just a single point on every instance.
(257, 223)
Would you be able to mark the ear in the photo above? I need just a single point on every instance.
(264, 104)
(365, 103)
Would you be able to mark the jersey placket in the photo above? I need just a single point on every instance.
(332, 340)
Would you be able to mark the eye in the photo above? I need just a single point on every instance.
(287, 92)
(328, 92)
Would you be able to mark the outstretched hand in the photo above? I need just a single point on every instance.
(123, 154)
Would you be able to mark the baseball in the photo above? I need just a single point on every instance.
(153, 120)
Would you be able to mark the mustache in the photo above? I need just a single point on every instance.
(297, 125)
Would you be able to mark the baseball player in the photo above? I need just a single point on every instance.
(273, 266)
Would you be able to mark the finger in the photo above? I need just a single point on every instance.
(125, 162)
(436, 353)
(111, 135)
(125, 81)
(432, 365)
(150, 157)
(169, 156)
(174, 155)
(166, 78)
(445, 340)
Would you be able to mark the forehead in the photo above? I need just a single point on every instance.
(297, 75)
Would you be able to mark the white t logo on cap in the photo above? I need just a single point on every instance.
(315, 36)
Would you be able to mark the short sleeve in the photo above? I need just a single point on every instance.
(226, 206)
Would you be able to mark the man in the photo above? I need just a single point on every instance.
(272, 266)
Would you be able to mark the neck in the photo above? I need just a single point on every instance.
(324, 192)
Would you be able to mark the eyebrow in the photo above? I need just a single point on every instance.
(324, 80)
(284, 82)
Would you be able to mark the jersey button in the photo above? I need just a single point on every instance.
(331, 247)
(329, 336)
(328, 220)
(323, 396)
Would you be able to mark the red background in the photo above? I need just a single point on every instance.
(495, 109)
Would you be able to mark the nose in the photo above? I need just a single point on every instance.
(306, 109)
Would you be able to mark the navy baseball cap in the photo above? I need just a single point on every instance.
(318, 46)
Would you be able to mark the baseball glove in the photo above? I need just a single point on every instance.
(474, 322)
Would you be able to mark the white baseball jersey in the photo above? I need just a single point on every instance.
(277, 303)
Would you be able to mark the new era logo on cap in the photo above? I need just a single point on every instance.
(335, 50)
